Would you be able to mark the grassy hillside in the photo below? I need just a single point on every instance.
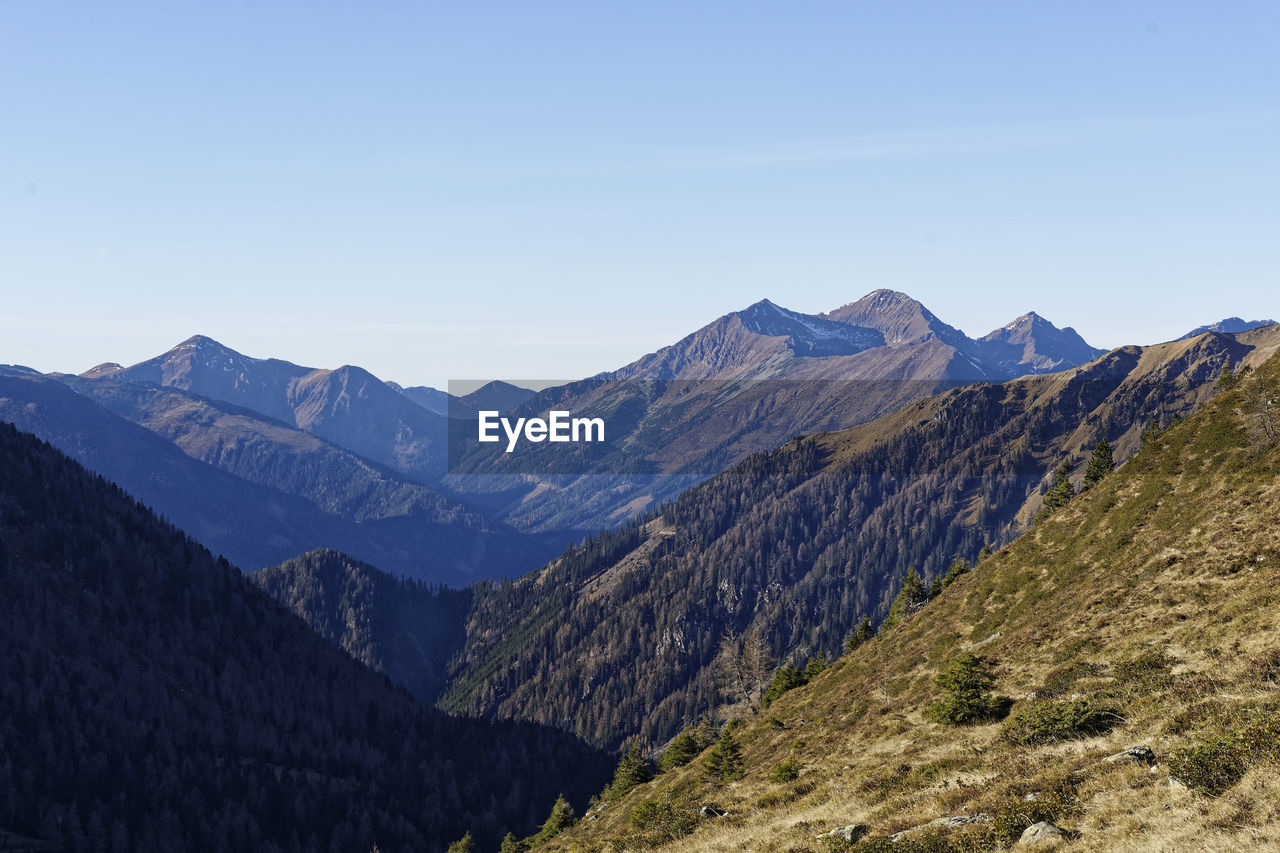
(1142, 613)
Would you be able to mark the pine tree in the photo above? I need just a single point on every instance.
(511, 844)
(1060, 494)
(935, 587)
(910, 598)
(861, 634)
(724, 761)
(685, 747)
(465, 844)
(959, 567)
(633, 769)
(560, 819)
(965, 683)
(815, 665)
(786, 678)
(1100, 465)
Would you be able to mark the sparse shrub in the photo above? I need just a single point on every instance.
(775, 724)
(1265, 667)
(1043, 722)
(1261, 738)
(662, 820)
(1211, 766)
(1149, 670)
(965, 683)
(1055, 799)
(784, 771)
(1060, 679)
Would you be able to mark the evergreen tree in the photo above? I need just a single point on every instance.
(685, 747)
(465, 844)
(935, 587)
(1100, 465)
(786, 678)
(910, 598)
(816, 664)
(1060, 494)
(633, 769)
(959, 567)
(861, 634)
(560, 819)
(985, 552)
(965, 683)
(511, 844)
(724, 761)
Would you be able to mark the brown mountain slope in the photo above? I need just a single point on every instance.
(1143, 613)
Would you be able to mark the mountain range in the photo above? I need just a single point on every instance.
(370, 457)
(747, 382)
(774, 481)
(620, 636)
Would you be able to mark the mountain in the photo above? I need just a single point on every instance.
(1134, 634)
(496, 396)
(153, 699)
(255, 489)
(1031, 344)
(348, 406)
(619, 636)
(432, 399)
(1229, 325)
(900, 319)
(744, 383)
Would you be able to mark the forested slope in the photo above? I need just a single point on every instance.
(151, 698)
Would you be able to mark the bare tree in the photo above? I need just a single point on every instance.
(744, 666)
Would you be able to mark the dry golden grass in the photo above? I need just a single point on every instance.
(1177, 553)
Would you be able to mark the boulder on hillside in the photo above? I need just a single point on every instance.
(1042, 834)
(1140, 753)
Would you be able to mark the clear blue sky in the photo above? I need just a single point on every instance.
(536, 188)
